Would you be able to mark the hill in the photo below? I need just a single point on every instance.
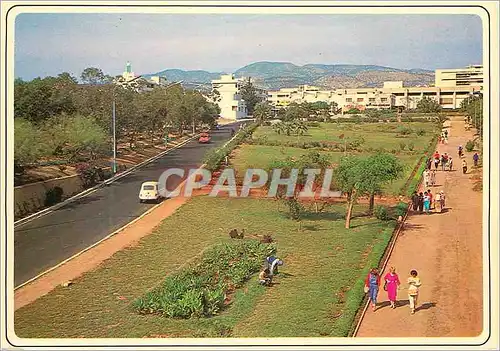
(275, 75)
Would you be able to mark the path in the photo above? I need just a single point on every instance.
(446, 250)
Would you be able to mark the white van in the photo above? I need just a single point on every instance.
(149, 192)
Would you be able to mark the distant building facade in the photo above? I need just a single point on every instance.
(459, 77)
(451, 88)
(231, 104)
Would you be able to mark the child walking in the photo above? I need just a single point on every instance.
(414, 284)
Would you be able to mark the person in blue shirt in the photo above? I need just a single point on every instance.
(273, 263)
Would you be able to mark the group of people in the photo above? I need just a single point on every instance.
(391, 285)
(443, 138)
(445, 160)
(270, 270)
(425, 201)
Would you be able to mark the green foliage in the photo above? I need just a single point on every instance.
(402, 146)
(53, 196)
(262, 112)
(420, 132)
(200, 290)
(473, 108)
(251, 96)
(296, 127)
(214, 157)
(411, 146)
(403, 130)
(401, 208)
(382, 213)
(427, 105)
(469, 146)
(295, 209)
(93, 76)
(28, 142)
(89, 174)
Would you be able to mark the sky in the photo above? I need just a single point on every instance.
(48, 44)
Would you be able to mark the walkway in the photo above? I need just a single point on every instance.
(446, 250)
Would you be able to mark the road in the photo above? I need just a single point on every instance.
(50, 239)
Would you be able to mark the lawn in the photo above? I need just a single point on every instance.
(260, 156)
(376, 135)
(317, 293)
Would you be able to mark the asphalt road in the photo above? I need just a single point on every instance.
(50, 239)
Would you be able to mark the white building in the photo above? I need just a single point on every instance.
(231, 104)
(459, 77)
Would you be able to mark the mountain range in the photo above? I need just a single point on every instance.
(275, 75)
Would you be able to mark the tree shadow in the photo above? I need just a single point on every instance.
(311, 228)
(411, 226)
(81, 201)
(332, 216)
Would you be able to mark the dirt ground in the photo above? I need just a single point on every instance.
(447, 251)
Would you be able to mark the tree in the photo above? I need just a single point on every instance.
(300, 127)
(262, 112)
(28, 146)
(251, 96)
(380, 169)
(357, 176)
(428, 105)
(93, 76)
(473, 109)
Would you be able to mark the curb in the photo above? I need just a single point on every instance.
(98, 186)
(119, 229)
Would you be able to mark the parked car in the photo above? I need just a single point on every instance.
(149, 192)
(204, 138)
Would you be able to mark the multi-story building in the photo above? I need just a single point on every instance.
(459, 77)
(231, 104)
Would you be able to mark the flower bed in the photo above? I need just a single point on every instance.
(201, 290)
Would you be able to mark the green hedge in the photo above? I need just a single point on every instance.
(214, 158)
(200, 290)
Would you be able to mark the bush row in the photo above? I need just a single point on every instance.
(334, 146)
(200, 290)
(214, 157)
(420, 167)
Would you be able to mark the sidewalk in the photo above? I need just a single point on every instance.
(446, 250)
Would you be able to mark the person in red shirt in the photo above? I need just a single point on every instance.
(430, 198)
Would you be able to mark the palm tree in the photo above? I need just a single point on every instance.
(300, 127)
(262, 112)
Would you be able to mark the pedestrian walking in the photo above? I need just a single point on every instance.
(443, 162)
(450, 163)
(460, 151)
(446, 133)
(414, 284)
(427, 177)
(421, 202)
(443, 198)
(431, 198)
(429, 163)
(476, 159)
(436, 163)
(464, 166)
(372, 282)
(433, 178)
(427, 203)
(391, 286)
(414, 201)
(438, 205)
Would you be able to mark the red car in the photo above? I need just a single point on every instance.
(204, 138)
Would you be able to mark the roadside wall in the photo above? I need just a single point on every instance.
(30, 198)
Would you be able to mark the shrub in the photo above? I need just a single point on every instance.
(402, 146)
(382, 213)
(400, 209)
(53, 196)
(401, 130)
(411, 146)
(88, 174)
(267, 239)
(200, 290)
(469, 146)
(420, 132)
(313, 124)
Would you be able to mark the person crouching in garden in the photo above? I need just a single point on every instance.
(272, 264)
(372, 284)
(414, 284)
(265, 278)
